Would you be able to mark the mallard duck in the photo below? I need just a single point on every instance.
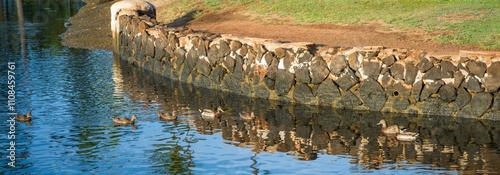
(209, 114)
(168, 116)
(391, 130)
(247, 116)
(125, 121)
(24, 118)
(406, 136)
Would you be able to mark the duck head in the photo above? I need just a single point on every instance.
(134, 118)
(383, 123)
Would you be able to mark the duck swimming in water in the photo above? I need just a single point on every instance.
(391, 130)
(168, 116)
(24, 118)
(209, 114)
(125, 121)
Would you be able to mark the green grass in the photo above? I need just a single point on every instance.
(470, 22)
(217, 4)
(177, 8)
(213, 4)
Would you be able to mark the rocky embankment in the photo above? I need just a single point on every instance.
(360, 78)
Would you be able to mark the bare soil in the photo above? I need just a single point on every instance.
(238, 22)
(91, 30)
(90, 27)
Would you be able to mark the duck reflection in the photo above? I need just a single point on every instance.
(247, 116)
(132, 126)
(360, 137)
(308, 132)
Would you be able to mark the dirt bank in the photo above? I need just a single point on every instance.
(90, 29)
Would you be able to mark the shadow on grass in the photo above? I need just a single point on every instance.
(184, 20)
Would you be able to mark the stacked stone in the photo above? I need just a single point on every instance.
(369, 78)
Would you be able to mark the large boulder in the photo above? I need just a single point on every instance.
(463, 98)
(424, 65)
(480, 103)
(398, 70)
(491, 82)
(130, 8)
(347, 79)
(327, 92)
(284, 81)
(303, 94)
(472, 84)
(372, 94)
(338, 65)
(371, 68)
(477, 68)
(319, 70)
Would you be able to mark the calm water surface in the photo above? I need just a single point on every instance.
(74, 93)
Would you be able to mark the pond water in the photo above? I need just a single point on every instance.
(74, 93)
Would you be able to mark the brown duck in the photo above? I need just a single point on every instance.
(24, 118)
(389, 130)
(125, 121)
(168, 116)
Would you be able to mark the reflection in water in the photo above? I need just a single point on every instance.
(22, 31)
(171, 157)
(255, 170)
(74, 94)
(308, 133)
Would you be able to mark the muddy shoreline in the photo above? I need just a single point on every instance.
(90, 27)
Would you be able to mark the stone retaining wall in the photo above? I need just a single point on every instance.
(368, 78)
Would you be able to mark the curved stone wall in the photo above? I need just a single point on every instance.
(367, 78)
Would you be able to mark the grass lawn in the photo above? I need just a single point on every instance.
(469, 22)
